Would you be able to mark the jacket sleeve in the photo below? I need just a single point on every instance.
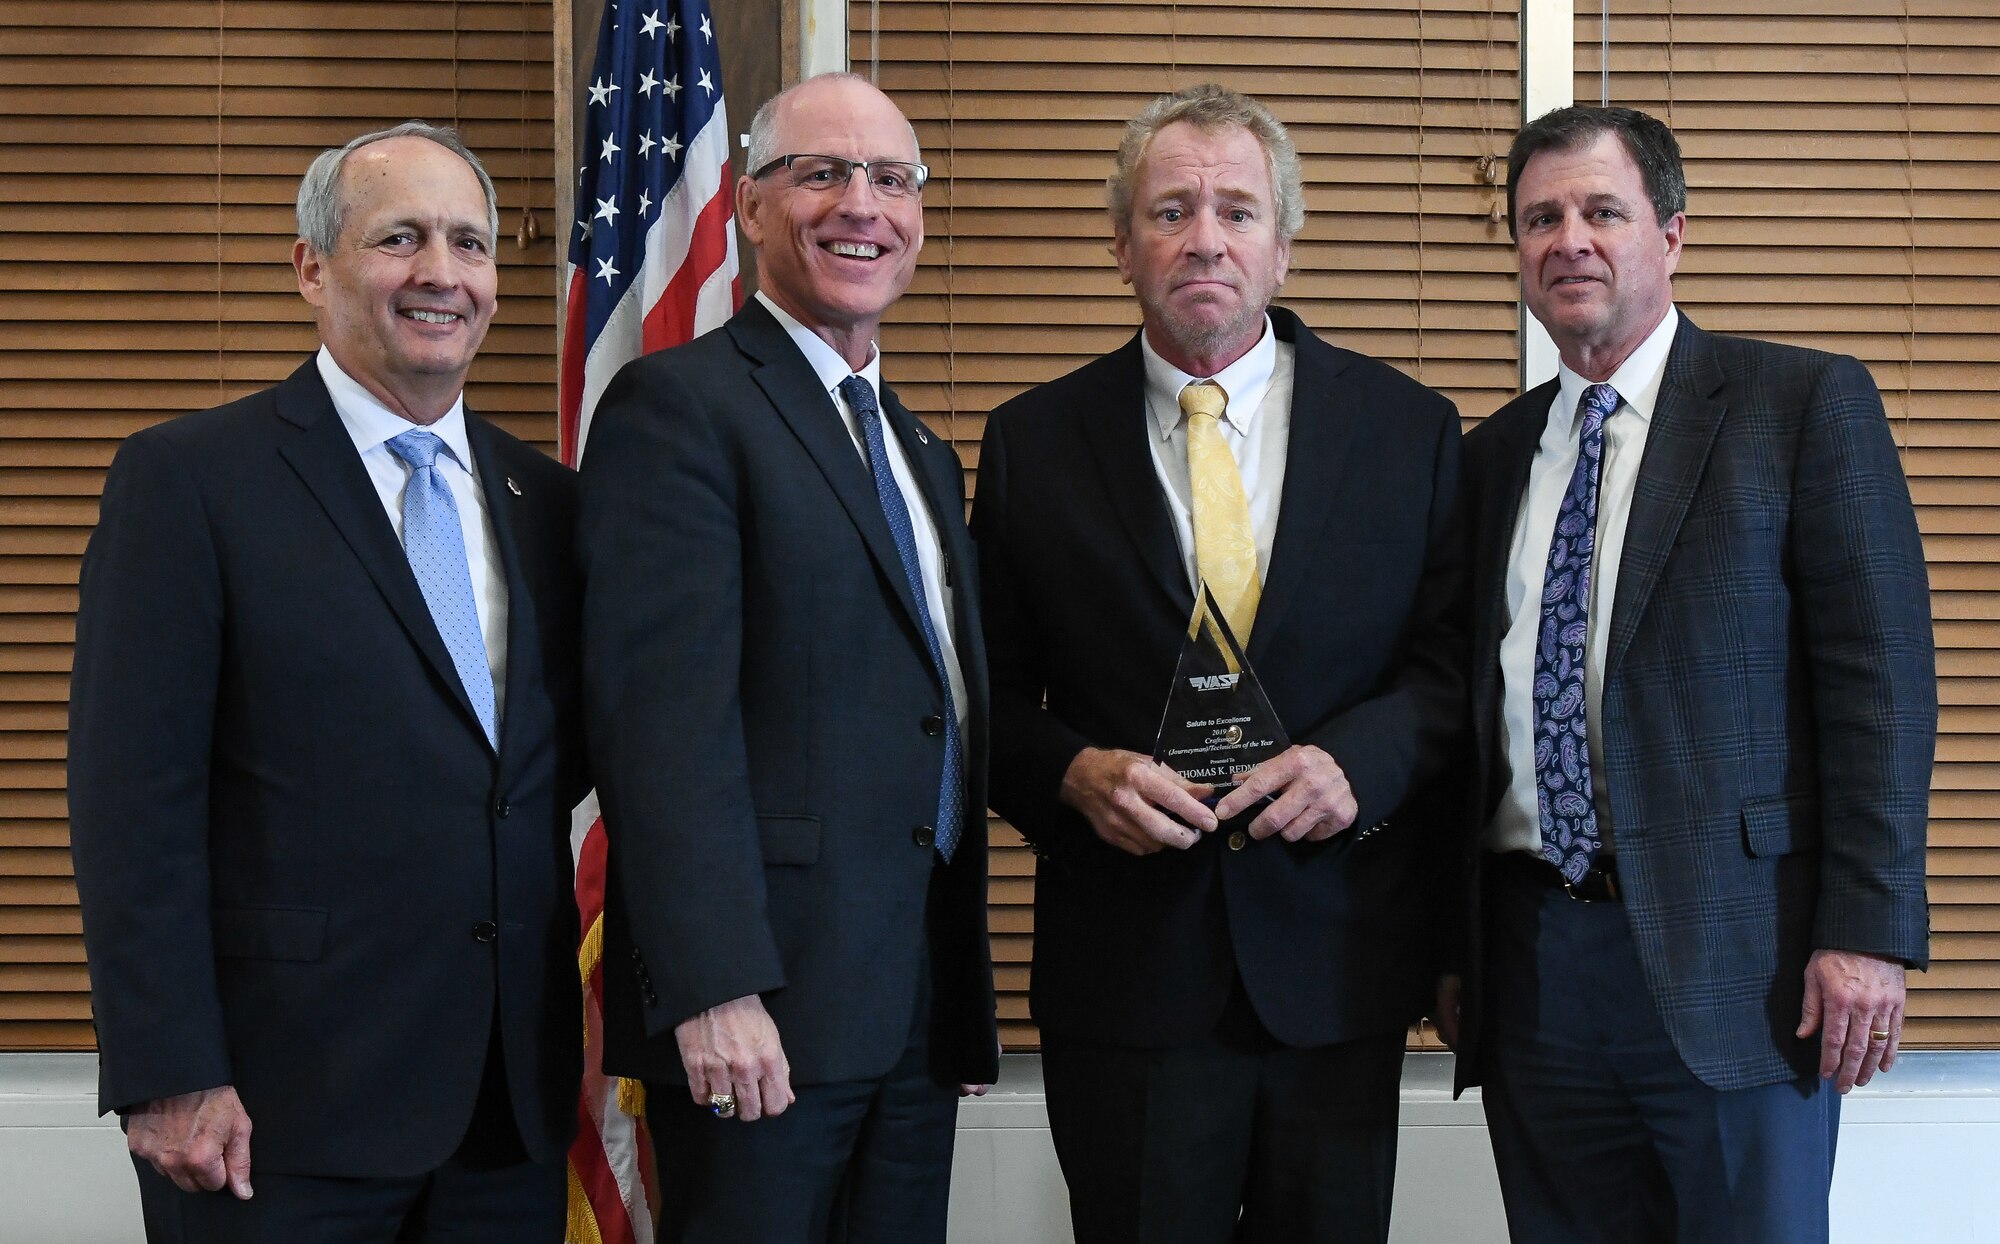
(1865, 610)
(141, 727)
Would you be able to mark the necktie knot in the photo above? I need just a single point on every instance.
(860, 396)
(1599, 400)
(419, 447)
(1203, 398)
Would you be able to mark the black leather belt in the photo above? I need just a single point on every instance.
(1599, 885)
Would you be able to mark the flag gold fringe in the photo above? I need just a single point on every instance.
(632, 1097)
(582, 1228)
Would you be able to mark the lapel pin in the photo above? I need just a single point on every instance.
(923, 438)
(513, 487)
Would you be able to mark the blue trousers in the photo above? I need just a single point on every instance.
(1600, 1132)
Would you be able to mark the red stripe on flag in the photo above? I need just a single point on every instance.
(569, 410)
(670, 321)
(600, 1187)
(590, 867)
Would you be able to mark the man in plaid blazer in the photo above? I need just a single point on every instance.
(1705, 708)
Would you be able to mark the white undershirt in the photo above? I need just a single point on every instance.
(372, 425)
(1256, 426)
(1516, 823)
(831, 370)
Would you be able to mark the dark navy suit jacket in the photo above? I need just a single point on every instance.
(304, 870)
(1087, 604)
(1770, 695)
(766, 722)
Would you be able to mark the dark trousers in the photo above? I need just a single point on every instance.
(866, 1162)
(1236, 1138)
(487, 1193)
(1600, 1131)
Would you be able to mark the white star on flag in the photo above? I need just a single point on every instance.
(605, 270)
(672, 147)
(647, 82)
(705, 32)
(600, 93)
(611, 148)
(646, 144)
(672, 86)
(607, 211)
(650, 24)
(644, 202)
(673, 26)
(705, 84)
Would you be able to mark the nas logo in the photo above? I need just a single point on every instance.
(1214, 682)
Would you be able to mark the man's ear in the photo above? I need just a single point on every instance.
(1121, 243)
(747, 195)
(311, 272)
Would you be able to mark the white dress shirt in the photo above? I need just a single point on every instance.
(1516, 824)
(372, 426)
(831, 370)
(1256, 426)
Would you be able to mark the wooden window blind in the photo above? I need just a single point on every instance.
(149, 155)
(1844, 193)
(1398, 111)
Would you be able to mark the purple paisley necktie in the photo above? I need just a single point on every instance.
(1562, 760)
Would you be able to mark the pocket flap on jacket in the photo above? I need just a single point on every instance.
(294, 933)
(1780, 824)
(789, 839)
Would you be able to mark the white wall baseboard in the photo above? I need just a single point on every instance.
(1918, 1154)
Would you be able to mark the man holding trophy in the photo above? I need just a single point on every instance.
(1231, 907)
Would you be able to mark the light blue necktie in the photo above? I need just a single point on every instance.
(1570, 837)
(951, 794)
(435, 545)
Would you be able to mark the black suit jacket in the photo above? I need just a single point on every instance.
(766, 721)
(286, 819)
(1770, 691)
(1087, 603)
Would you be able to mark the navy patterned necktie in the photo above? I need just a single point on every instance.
(1570, 837)
(951, 793)
(435, 545)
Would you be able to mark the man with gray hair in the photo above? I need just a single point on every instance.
(323, 745)
(1223, 985)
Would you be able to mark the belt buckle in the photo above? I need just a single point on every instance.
(1608, 880)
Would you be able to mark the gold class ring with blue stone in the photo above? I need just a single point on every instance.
(723, 1105)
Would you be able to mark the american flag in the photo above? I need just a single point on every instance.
(652, 263)
(652, 260)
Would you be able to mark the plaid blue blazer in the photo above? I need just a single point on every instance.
(1770, 698)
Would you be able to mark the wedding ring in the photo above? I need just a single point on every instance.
(723, 1105)
(1877, 1034)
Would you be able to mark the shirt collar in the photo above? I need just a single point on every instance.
(823, 358)
(1637, 379)
(1246, 381)
(371, 423)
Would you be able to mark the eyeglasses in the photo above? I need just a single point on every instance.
(891, 179)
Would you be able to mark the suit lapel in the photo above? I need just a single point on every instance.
(1119, 431)
(1684, 424)
(1322, 430)
(324, 457)
(794, 391)
(943, 484)
(1503, 480)
(502, 498)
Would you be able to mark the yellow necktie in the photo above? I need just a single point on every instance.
(1225, 545)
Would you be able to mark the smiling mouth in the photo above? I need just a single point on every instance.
(855, 250)
(433, 317)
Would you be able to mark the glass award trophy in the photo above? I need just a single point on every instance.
(1217, 721)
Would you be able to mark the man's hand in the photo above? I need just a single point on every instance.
(1850, 997)
(734, 1049)
(1444, 1013)
(1132, 800)
(1312, 799)
(199, 1140)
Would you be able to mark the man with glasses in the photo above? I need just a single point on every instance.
(786, 698)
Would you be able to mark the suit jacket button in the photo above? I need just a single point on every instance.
(933, 725)
(485, 931)
(501, 808)
(1238, 840)
(924, 835)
